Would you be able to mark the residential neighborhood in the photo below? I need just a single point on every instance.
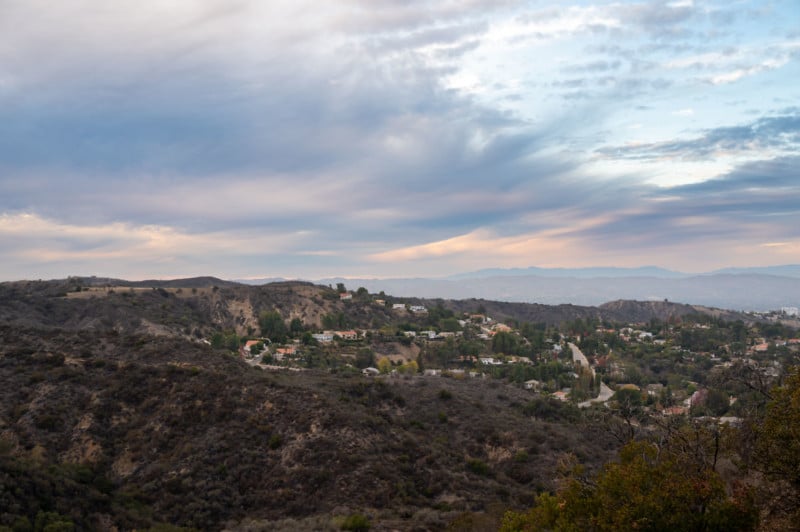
(677, 367)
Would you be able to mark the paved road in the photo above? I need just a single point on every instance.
(605, 392)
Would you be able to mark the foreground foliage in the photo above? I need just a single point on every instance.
(671, 482)
(648, 489)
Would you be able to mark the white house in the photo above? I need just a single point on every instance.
(532, 384)
(324, 337)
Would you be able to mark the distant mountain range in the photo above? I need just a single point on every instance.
(758, 288)
(789, 270)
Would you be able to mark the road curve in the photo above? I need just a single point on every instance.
(605, 392)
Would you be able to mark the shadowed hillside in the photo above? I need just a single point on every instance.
(116, 412)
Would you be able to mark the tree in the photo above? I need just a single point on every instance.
(650, 488)
(296, 327)
(365, 358)
(340, 288)
(273, 326)
(778, 440)
(384, 365)
(717, 402)
(410, 367)
(505, 342)
(449, 325)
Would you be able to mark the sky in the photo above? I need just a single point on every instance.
(381, 138)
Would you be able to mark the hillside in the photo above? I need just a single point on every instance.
(195, 308)
(117, 413)
(147, 430)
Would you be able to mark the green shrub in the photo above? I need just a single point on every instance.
(477, 466)
(275, 441)
(355, 523)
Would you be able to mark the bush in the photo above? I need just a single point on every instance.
(477, 466)
(356, 523)
(275, 441)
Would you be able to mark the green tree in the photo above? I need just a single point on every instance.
(384, 365)
(717, 402)
(650, 488)
(449, 325)
(273, 326)
(505, 342)
(365, 358)
(296, 327)
(778, 441)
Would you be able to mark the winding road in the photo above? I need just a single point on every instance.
(605, 392)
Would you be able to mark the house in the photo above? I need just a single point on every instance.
(324, 337)
(417, 309)
(561, 395)
(533, 384)
(370, 372)
(398, 306)
(501, 327)
(432, 372)
(490, 361)
(345, 296)
(410, 334)
(285, 351)
(347, 335)
(430, 334)
(761, 348)
(381, 302)
(249, 344)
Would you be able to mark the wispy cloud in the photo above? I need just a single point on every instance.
(377, 137)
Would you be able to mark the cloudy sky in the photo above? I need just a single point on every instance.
(245, 138)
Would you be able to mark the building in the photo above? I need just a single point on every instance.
(323, 337)
(347, 335)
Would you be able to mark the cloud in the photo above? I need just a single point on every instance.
(292, 135)
(775, 133)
